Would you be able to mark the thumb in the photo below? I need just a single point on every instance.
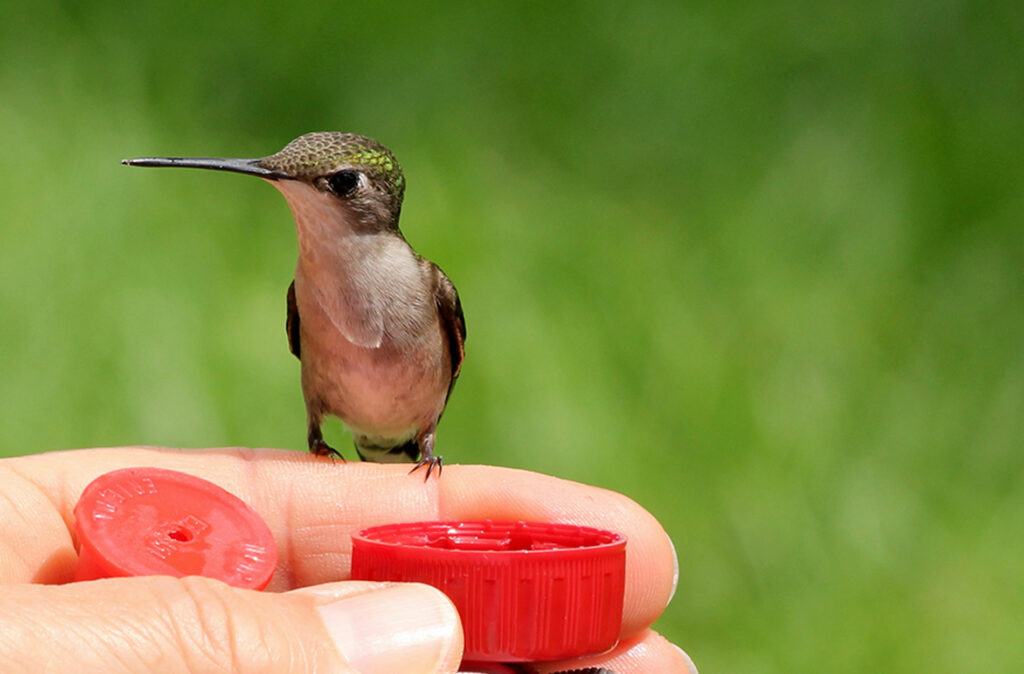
(161, 624)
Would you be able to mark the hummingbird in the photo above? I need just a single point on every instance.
(378, 329)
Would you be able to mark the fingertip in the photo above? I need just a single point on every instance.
(490, 492)
(690, 667)
(645, 652)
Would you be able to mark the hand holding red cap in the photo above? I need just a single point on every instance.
(311, 509)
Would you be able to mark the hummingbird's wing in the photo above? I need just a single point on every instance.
(453, 322)
(291, 323)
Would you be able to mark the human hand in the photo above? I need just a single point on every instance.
(306, 621)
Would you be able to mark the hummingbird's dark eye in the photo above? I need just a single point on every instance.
(343, 183)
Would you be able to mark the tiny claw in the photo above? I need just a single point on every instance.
(430, 462)
(321, 448)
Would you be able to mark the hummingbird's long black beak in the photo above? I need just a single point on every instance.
(247, 166)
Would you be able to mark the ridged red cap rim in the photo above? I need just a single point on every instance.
(526, 591)
(153, 521)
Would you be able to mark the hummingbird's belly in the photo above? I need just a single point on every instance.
(384, 392)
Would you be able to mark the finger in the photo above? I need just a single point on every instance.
(161, 624)
(646, 652)
(485, 492)
(313, 506)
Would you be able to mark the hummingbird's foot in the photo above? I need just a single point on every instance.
(430, 462)
(321, 448)
(426, 445)
(317, 446)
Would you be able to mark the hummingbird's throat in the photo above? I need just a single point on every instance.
(330, 282)
(368, 284)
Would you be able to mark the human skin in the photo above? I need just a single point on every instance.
(310, 618)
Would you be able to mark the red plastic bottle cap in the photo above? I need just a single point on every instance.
(526, 591)
(151, 521)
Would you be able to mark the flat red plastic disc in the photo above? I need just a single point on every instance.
(152, 521)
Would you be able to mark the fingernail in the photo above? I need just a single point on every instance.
(399, 628)
(689, 661)
(675, 571)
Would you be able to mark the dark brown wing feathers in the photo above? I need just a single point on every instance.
(453, 322)
(291, 323)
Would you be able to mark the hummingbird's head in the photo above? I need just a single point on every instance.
(358, 172)
(348, 179)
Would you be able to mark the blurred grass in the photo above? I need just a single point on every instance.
(759, 267)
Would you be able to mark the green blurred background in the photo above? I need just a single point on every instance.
(758, 266)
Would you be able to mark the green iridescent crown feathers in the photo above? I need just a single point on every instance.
(325, 151)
